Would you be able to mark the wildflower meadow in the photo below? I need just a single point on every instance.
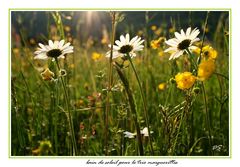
(120, 83)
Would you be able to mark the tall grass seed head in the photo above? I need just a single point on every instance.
(181, 42)
(185, 80)
(205, 69)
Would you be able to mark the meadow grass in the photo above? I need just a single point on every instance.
(87, 111)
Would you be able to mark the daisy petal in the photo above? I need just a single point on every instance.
(195, 40)
(50, 43)
(122, 39)
(179, 36)
(194, 34)
(41, 56)
(170, 49)
(133, 40)
(172, 42)
(65, 46)
(42, 46)
(118, 43)
(193, 47)
(127, 38)
(56, 44)
(61, 43)
(133, 55)
(188, 32)
(183, 34)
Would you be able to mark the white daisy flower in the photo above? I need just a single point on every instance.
(145, 133)
(181, 42)
(129, 134)
(56, 49)
(126, 46)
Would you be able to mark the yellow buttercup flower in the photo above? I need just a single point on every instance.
(32, 41)
(96, 56)
(171, 30)
(205, 29)
(140, 33)
(45, 145)
(162, 86)
(205, 69)
(104, 40)
(161, 53)
(43, 149)
(197, 51)
(207, 52)
(47, 75)
(16, 51)
(72, 66)
(185, 80)
(153, 27)
(158, 31)
(157, 43)
(67, 28)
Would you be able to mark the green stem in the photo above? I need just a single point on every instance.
(110, 76)
(207, 115)
(185, 110)
(192, 61)
(144, 103)
(69, 112)
(222, 75)
(90, 71)
(168, 95)
(203, 38)
(176, 138)
(132, 107)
